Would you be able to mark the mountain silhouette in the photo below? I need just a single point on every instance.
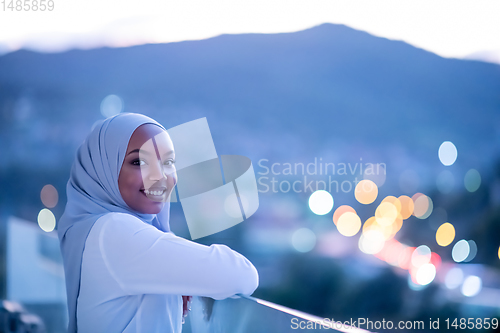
(329, 91)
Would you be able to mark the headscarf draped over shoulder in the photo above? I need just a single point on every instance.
(92, 191)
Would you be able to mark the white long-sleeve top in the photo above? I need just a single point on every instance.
(134, 275)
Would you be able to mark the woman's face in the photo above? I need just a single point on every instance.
(148, 175)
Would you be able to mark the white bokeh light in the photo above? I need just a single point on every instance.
(321, 202)
(447, 153)
(472, 286)
(371, 242)
(460, 251)
(46, 220)
(426, 274)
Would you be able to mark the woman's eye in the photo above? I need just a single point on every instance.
(169, 162)
(138, 162)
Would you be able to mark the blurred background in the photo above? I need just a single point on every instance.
(373, 128)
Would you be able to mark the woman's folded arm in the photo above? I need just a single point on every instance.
(144, 260)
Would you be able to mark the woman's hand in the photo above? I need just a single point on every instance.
(186, 305)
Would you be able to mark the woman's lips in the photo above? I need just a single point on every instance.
(157, 193)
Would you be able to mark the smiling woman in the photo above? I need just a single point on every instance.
(125, 270)
(147, 179)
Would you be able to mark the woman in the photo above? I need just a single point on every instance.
(125, 271)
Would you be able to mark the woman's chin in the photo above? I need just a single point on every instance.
(155, 208)
(150, 207)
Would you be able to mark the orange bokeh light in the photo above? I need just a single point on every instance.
(407, 206)
(366, 191)
(341, 210)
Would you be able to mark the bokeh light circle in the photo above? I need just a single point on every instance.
(49, 196)
(407, 206)
(321, 202)
(460, 251)
(386, 213)
(371, 242)
(447, 153)
(366, 192)
(46, 220)
(341, 210)
(423, 206)
(472, 180)
(349, 224)
(472, 286)
(395, 201)
(111, 105)
(425, 274)
(445, 234)
(303, 240)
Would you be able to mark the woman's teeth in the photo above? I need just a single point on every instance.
(154, 192)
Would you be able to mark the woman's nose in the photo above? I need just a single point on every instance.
(156, 172)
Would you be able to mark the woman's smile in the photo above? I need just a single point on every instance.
(155, 192)
(158, 194)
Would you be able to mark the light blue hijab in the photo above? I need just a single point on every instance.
(92, 191)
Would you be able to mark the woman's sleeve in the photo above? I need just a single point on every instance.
(144, 260)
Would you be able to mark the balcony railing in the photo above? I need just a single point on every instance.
(244, 314)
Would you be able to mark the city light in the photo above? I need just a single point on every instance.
(349, 224)
(445, 234)
(472, 286)
(366, 192)
(321, 202)
(46, 220)
(447, 153)
(460, 251)
(49, 196)
(341, 210)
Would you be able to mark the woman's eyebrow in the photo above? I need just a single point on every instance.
(138, 151)
(147, 153)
